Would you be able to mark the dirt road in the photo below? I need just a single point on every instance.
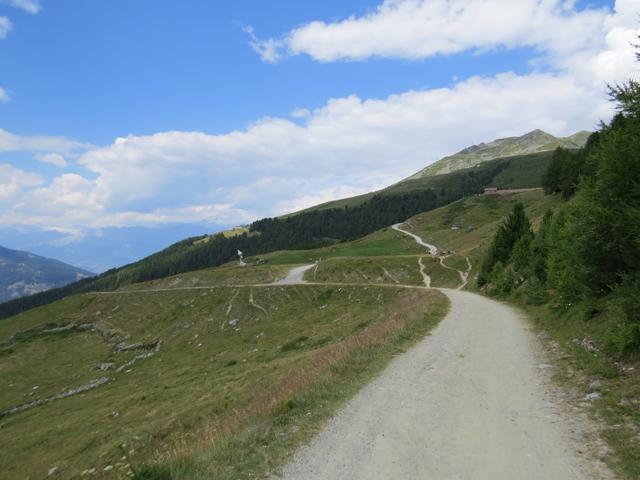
(433, 250)
(295, 276)
(467, 403)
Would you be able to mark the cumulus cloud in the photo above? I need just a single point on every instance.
(4, 96)
(350, 145)
(347, 147)
(418, 29)
(13, 181)
(5, 27)
(52, 158)
(29, 6)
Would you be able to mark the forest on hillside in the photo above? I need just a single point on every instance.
(586, 255)
(306, 230)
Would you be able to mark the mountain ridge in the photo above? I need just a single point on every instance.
(24, 273)
(535, 141)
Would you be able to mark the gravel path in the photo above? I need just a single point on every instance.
(295, 276)
(468, 402)
(433, 250)
(426, 279)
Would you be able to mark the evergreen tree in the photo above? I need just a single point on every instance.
(516, 226)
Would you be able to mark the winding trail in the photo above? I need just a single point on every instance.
(425, 277)
(468, 402)
(464, 275)
(433, 250)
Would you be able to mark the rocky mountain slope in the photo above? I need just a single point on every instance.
(23, 273)
(532, 142)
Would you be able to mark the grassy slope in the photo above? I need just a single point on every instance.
(229, 274)
(186, 405)
(219, 372)
(385, 270)
(467, 226)
(381, 243)
(522, 171)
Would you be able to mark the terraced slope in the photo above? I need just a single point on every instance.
(104, 383)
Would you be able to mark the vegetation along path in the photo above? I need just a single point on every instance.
(471, 401)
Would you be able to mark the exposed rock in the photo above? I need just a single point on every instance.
(587, 344)
(68, 393)
(135, 359)
(52, 471)
(593, 396)
(123, 347)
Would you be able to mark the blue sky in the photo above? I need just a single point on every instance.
(147, 114)
(93, 71)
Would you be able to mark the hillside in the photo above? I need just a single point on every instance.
(163, 370)
(323, 225)
(222, 372)
(179, 368)
(535, 141)
(519, 171)
(23, 273)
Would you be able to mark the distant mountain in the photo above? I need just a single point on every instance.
(532, 142)
(100, 249)
(23, 273)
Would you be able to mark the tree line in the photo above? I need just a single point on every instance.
(586, 254)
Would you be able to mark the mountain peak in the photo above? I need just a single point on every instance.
(534, 141)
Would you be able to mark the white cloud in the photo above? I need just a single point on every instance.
(269, 50)
(418, 29)
(348, 146)
(4, 96)
(217, 213)
(11, 142)
(5, 27)
(13, 181)
(30, 6)
(52, 158)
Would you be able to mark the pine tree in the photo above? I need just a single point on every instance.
(516, 226)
